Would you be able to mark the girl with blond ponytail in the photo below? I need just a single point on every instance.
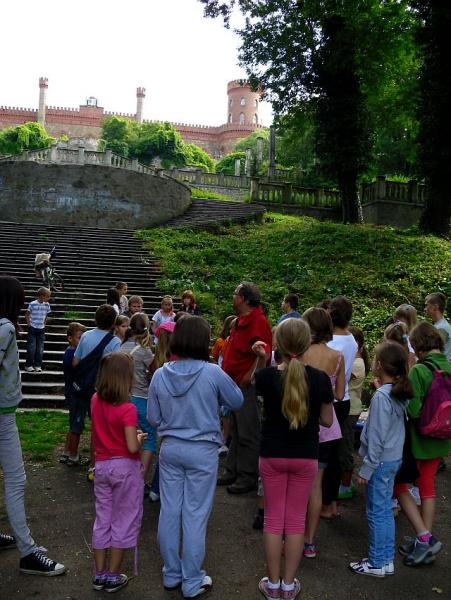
(296, 399)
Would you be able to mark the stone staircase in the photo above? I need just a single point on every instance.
(204, 214)
(90, 261)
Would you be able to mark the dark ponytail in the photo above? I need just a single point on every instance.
(393, 359)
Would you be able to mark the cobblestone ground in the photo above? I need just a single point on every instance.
(60, 509)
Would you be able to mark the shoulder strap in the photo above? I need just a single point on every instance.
(133, 350)
(99, 348)
(430, 365)
(340, 356)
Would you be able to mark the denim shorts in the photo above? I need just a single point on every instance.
(143, 424)
(79, 409)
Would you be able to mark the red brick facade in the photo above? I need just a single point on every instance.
(86, 121)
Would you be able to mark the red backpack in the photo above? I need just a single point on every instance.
(435, 418)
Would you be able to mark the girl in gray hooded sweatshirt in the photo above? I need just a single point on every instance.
(381, 448)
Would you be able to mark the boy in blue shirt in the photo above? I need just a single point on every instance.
(70, 453)
(289, 306)
(36, 317)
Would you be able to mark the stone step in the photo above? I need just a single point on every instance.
(42, 400)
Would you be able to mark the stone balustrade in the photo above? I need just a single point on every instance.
(199, 177)
(382, 190)
(285, 193)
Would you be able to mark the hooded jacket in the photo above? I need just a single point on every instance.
(382, 438)
(184, 399)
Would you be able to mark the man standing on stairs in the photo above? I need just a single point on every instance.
(36, 317)
(240, 362)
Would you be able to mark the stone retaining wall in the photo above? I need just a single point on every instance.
(88, 196)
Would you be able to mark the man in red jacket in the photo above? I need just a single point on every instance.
(240, 362)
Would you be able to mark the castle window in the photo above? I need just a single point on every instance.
(230, 117)
(243, 101)
(256, 102)
(242, 118)
(230, 102)
(255, 119)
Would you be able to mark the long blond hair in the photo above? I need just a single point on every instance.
(292, 339)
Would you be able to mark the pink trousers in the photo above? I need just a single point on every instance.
(286, 484)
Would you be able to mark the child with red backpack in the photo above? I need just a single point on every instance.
(429, 412)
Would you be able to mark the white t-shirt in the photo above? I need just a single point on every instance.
(347, 345)
(445, 331)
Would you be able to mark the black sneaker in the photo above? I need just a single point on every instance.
(258, 522)
(37, 563)
(115, 586)
(7, 541)
(99, 583)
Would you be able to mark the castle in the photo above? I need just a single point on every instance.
(85, 123)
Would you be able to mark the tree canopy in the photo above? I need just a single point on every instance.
(149, 141)
(29, 136)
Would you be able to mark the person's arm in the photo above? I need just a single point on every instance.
(375, 433)
(27, 317)
(134, 438)
(340, 382)
(6, 337)
(153, 406)
(418, 377)
(326, 416)
(230, 394)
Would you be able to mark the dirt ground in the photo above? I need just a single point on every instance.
(60, 508)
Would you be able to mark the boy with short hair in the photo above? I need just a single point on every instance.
(289, 306)
(36, 317)
(434, 307)
(94, 344)
(70, 453)
(135, 305)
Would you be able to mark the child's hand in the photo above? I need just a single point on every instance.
(362, 481)
(141, 437)
(260, 348)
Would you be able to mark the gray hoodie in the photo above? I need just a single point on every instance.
(184, 398)
(10, 382)
(382, 438)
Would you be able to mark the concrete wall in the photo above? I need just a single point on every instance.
(396, 214)
(88, 196)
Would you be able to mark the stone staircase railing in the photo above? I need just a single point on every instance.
(199, 177)
(382, 190)
(289, 194)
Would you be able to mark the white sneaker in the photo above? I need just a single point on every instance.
(223, 450)
(38, 369)
(363, 567)
(153, 497)
(389, 568)
(205, 586)
(29, 369)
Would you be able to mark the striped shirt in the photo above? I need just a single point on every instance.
(38, 312)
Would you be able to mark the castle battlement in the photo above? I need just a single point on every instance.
(86, 120)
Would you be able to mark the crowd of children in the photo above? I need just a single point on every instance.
(139, 377)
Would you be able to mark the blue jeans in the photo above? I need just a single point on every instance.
(35, 347)
(379, 512)
(188, 473)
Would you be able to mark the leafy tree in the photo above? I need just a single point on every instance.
(331, 54)
(29, 136)
(147, 141)
(227, 163)
(435, 119)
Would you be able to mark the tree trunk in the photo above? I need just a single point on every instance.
(436, 217)
(350, 202)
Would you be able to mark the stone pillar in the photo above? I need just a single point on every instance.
(381, 187)
(54, 153)
(107, 158)
(259, 152)
(135, 164)
(43, 85)
(254, 189)
(81, 155)
(140, 95)
(272, 152)
(221, 178)
(248, 163)
(237, 167)
(413, 191)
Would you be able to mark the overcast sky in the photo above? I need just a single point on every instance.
(107, 48)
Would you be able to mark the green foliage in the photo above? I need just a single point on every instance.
(40, 431)
(149, 141)
(74, 315)
(227, 163)
(209, 195)
(29, 136)
(378, 268)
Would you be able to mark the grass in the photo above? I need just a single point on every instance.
(209, 195)
(41, 431)
(378, 268)
(73, 315)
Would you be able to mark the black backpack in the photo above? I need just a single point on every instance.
(85, 373)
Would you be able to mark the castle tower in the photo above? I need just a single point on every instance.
(43, 85)
(242, 104)
(140, 95)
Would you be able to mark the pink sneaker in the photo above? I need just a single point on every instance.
(291, 594)
(268, 593)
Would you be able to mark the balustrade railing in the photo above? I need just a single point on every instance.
(286, 193)
(383, 190)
